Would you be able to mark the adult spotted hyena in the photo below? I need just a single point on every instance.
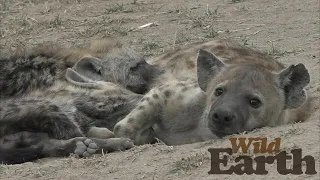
(226, 89)
(55, 102)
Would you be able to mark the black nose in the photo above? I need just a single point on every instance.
(223, 116)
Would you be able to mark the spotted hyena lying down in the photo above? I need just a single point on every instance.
(57, 101)
(233, 89)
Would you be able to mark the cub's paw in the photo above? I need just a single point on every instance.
(124, 129)
(85, 148)
(119, 144)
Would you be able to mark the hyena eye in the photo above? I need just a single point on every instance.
(255, 103)
(218, 92)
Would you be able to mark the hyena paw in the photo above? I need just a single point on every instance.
(100, 132)
(127, 130)
(123, 129)
(120, 144)
(85, 148)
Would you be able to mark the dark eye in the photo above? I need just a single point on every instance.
(255, 103)
(218, 92)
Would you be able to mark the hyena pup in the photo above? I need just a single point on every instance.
(55, 101)
(235, 89)
(101, 60)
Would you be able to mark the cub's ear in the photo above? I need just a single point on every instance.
(208, 66)
(75, 78)
(90, 67)
(293, 79)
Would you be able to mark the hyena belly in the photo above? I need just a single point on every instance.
(58, 122)
(86, 108)
(51, 110)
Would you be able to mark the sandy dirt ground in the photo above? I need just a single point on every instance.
(288, 30)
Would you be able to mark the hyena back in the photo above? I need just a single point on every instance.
(234, 89)
(181, 64)
(101, 60)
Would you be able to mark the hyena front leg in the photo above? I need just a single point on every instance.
(83, 146)
(137, 125)
(100, 132)
(29, 146)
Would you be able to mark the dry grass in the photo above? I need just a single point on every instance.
(191, 162)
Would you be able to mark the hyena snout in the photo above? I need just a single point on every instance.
(223, 116)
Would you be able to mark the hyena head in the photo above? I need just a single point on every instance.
(123, 66)
(247, 96)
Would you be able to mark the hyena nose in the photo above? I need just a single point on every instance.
(223, 116)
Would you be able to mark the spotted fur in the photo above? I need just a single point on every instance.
(214, 89)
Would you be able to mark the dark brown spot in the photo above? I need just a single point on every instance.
(241, 51)
(190, 64)
(167, 93)
(130, 120)
(141, 107)
(116, 128)
(181, 84)
(220, 47)
(184, 89)
(127, 132)
(156, 96)
(145, 99)
(54, 108)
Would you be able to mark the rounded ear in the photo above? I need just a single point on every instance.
(293, 79)
(76, 79)
(89, 67)
(208, 66)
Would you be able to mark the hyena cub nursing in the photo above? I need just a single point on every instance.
(57, 101)
(235, 89)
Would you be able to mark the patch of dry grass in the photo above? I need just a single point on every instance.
(191, 162)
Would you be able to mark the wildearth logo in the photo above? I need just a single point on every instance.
(260, 145)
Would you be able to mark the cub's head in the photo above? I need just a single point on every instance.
(124, 67)
(247, 96)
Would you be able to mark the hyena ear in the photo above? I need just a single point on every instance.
(208, 66)
(89, 67)
(75, 78)
(293, 79)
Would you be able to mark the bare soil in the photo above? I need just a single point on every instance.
(288, 30)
